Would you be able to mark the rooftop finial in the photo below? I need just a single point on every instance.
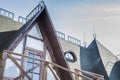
(84, 43)
(94, 35)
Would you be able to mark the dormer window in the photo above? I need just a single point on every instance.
(70, 56)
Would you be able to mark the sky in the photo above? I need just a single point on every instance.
(76, 17)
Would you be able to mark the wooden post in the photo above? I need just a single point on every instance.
(76, 76)
(3, 56)
(45, 64)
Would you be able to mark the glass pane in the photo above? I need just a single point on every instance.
(66, 56)
(30, 55)
(30, 60)
(37, 70)
(11, 69)
(36, 77)
(37, 57)
(19, 49)
(37, 62)
(29, 65)
(35, 31)
(30, 74)
(35, 44)
(69, 56)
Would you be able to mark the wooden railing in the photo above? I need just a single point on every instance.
(46, 64)
(21, 19)
(6, 13)
(74, 40)
(60, 34)
(37, 9)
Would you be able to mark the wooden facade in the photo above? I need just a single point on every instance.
(36, 38)
(33, 52)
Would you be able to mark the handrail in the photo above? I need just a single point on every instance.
(60, 34)
(74, 40)
(95, 76)
(22, 19)
(38, 8)
(6, 13)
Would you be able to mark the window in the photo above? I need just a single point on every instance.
(35, 44)
(35, 31)
(35, 74)
(70, 56)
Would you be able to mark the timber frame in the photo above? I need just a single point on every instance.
(49, 36)
(58, 66)
(46, 64)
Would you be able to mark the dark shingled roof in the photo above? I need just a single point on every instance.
(115, 73)
(91, 61)
(5, 37)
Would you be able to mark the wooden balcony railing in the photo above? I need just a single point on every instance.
(46, 64)
(6, 13)
(37, 9)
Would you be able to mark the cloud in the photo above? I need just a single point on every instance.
(77, 19)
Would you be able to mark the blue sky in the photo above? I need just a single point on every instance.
(74, 17)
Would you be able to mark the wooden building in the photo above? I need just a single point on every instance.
(34, 52)
(31, 47)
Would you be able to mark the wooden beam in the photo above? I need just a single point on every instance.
(44, 68)
(27, 72)
(76, 76)
(94, 75)
(17, 54)
(61, 67)
(3, 56)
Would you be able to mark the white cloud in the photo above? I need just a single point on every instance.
(77, 19)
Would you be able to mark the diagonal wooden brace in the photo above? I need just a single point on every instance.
(52, 70)
(27, 72)
(20, 68)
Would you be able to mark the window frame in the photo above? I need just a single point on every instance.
(26, 62)
(71, 53)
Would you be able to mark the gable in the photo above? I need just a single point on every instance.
(35, 31)
(47, 41)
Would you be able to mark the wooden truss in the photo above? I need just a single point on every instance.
(46, 64)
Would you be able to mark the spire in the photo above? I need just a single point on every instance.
(84, 43)
(94, 34)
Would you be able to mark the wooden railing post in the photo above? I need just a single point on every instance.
(45, 64)
(76, 76)
(3, 56)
